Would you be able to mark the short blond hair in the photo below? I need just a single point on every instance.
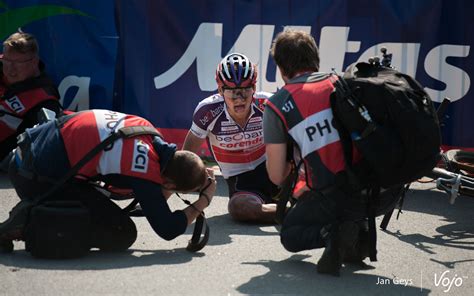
(22, 42)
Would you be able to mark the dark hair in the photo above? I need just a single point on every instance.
(295, 51)
(186, 170)
(22, 42)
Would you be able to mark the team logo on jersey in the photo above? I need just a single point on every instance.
(218, 110)
(254, 126)
(227, 123)
(15, 104)
(198, 131)
(211, 114)
(205, 119)
(230, 129)
(140, 156)
(256, 119)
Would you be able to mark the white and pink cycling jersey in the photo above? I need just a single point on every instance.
(236, 149)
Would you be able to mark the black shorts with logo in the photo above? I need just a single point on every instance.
(255, 181)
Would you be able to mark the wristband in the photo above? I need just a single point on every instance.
(206, 196)
(196, 209)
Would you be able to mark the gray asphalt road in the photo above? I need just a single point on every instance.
(429, 250)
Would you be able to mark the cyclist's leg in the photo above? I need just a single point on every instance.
(250, 196)
(250, 207)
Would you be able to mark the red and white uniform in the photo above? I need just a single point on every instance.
(133, 157)
(19, 104)
(236, 149)
(304, 107)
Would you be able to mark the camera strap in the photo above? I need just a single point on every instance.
(199, 240)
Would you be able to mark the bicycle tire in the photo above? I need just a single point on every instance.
(461, 160)
(466, 191)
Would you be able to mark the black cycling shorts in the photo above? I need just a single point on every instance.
(255, 181)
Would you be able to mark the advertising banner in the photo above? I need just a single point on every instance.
(157, 58)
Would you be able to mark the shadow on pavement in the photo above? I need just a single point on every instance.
(458, 234)
(293, 276)
(221, 189)
(97, 260)
(222, 227)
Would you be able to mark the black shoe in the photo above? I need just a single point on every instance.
(6, 246)
(359, 251)
(338, 241)
(136, 212)
(12, 228)
(4, 163)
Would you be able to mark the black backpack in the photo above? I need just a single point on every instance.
(390, 119)
(392, 122)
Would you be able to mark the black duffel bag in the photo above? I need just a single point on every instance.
(58, 230)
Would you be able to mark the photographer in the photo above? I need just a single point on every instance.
(330, 213)
(25, 88)
(148, 166)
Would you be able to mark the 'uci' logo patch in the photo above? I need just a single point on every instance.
(140, 156)
(15, 104)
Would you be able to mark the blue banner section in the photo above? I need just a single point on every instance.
(78, 43)
(157, 58)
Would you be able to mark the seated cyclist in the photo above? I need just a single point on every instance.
(231, 121)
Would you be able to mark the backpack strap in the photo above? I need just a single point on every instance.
(133, 131)
(4, 112)
(346, 140)
(125, 132)
(388, 215)
(353, 181)
(373, 196)
(285, 193)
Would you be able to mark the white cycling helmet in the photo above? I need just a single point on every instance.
(236, 70)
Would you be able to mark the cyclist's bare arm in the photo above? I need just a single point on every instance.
(192, 142)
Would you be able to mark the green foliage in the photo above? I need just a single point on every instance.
(3, 5)
(11, 20)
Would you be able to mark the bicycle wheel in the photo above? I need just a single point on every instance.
(466, 191)
(461, 160)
